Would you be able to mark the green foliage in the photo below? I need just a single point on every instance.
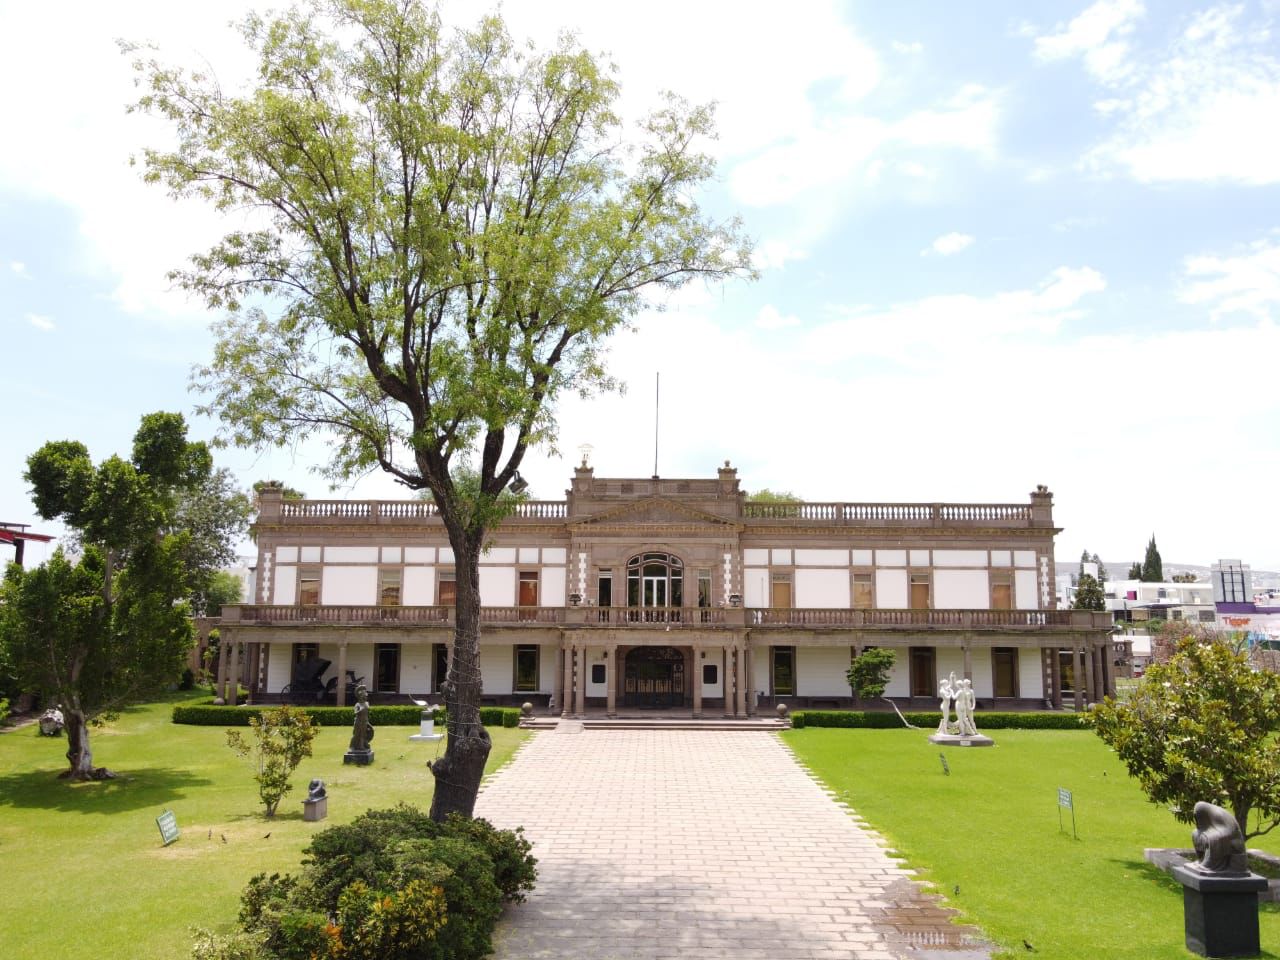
(223, 588)
(887, 720)
(289, 493)
(1187, 577)
(1089, 594)
(774, 496)
(868, 675)
(4, 709)
(215, 513)
(403, 924)
(1202, 727)
(1135, 572)
(282, 739)
(1152, 567)
(465, 874)
(380, 715)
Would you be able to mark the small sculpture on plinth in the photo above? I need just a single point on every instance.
(359, 751)
(1219, 893)
(52, 722)
(316, 806)
(427, 729)
(962, 732)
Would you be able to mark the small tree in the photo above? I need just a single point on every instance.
(1152, 567)
(281, 740)
(869, 673)
(1202, 727)
(1187, 577)
(1089, 595)
(1135, 572)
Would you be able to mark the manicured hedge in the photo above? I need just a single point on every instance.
(207, 715)
(881, 719)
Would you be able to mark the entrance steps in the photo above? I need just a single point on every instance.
(659, 722)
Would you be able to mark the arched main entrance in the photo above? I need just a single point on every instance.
(653, 677)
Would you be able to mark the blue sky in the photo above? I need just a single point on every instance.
(1000, 245)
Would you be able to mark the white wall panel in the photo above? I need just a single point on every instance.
(499, 555)
(861, 558)
(528, 554)
(820, 671)
(548, 666)
(1030, 675)
(415, 669)
(755, 558)
(1001, 558)
(713, 657)
(759, 667)
(446, 554)
(823, 589)
(594, 660)
(353, 585)
(350, 554)
(359, 661)
(1026, 590)
(755, 587)
(551, 592)
(983, 682)
(285, 585)
(891, 589)
(891, 558)
(279, 666)
(419, 586)
(919, 558)
(822, 558)
(498, 587)
(959, 558)
(899, 684)
(1024, 558)
(781, 556)
(497, 668)
(286, 554)
(961, 590)
(554, 555)
(391, 554)
(310, 554)
(419, 554)
(947, 660)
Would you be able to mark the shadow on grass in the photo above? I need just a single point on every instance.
(131, 790)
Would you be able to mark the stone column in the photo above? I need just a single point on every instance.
(232, 694)
(342, 673)
(1077, 663)
(968, 661)
(740, 694)
(251, 658)
(1055, 671)
(697, 682)
(582, 681)
(221, 684)
(749, 679)
(611, 675)
(726, 678)
(1090, 673)
(265, 669)
(566, 682)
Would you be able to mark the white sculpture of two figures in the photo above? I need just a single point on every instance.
(962, 730)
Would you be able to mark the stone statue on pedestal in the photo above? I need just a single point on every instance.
(359, 752)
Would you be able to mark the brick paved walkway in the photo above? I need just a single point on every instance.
(692, 844)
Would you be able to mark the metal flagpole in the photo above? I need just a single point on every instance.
(657, 377)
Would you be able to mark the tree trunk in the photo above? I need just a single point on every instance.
(459, 771)
(79, 756)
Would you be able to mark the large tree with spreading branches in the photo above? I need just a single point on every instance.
(449, 226)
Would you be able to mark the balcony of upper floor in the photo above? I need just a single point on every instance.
(662, 618)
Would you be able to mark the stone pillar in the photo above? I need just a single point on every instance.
(232, 693)
(1090, 674)
(221, 684)
(566, 682)
(254, 652)
(697, 682)
(1077, 663)
(342, 674)
(611, 675)
(749, 679)
(968, 661)
(1055, 669)
(582, 681)
(726, 676)
(739, 694)
(265, 669)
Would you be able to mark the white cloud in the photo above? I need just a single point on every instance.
(1096, 35)
(912, 48)
(40, 321)
(776, 254)
(770, 318)
(1245, 283)
(948, 244)
(19, 269)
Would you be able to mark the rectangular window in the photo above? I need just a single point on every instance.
(604, 588)
(447, 589)
(386, 663)
(710, 674)
(781, 598)
(527, 597)
(919, 591)
(305, 651)
(308, 586)
(526, 669)
(440, 666)
(704, 588)
(389, 587)
(863, 599)
(1066, 662)
(924, 674)
(599, 673)
(1004, 664)
(1001, 591)
(784, 671)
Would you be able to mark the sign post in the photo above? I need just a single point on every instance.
(1065, 800)
(168, 824)
(946, 770)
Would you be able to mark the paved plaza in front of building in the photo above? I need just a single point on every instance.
(687, 844)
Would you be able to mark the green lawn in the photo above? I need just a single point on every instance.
(991, 828)
(85, 873)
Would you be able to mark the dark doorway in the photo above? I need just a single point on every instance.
(924, 675)
(440, 666)
(387, 668)
(1004, 663)
(654, 677)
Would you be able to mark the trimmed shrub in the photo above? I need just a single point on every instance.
(884, 720)
(464, 872)
(4, 709)
(207, 715)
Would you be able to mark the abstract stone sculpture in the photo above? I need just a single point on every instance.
(51, 722)
(1218, 841)
(1219, 894)
(316, 790)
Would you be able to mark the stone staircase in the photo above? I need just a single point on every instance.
(632, 721)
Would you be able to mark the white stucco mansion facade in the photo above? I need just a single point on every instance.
(677, 593)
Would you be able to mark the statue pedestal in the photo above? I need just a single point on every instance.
(361, 758)
(957, 740)
(427, 730)
(313, 810)
(1220, 913)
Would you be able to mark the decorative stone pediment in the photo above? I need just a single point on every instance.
(653, 511)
